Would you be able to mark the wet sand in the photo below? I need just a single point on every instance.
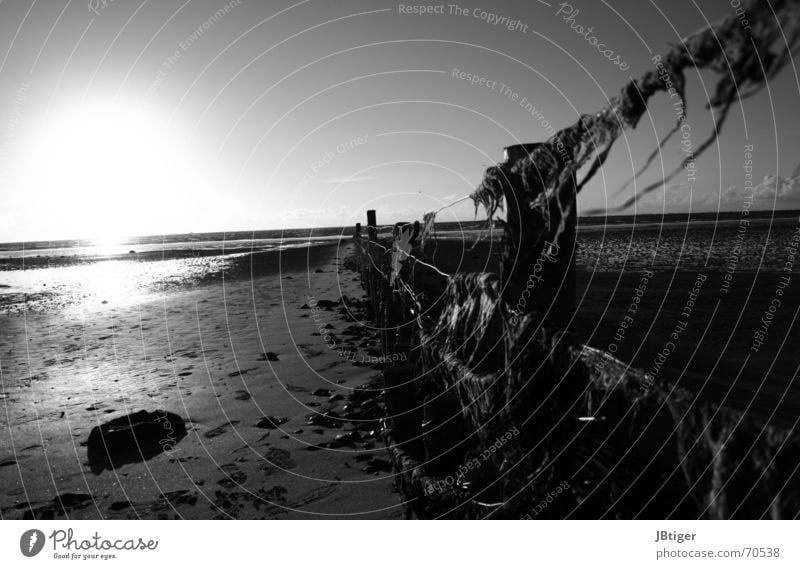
(242, 359)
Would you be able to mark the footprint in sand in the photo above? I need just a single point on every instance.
(178, 498)
(221, 430)
(235, 476)
(277, 460)
(313, 496)
(242, 395)
(242, 372)
(117, 506)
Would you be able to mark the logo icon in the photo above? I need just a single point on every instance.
(31, 542)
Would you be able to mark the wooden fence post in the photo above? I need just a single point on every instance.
(538, 270)
(372, 225)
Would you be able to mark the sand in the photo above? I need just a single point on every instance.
(200, 354)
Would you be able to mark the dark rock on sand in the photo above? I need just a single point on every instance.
(69, 500)
(269, 357)
(237, 373)
(178, 498)
(133, 438)
(348, 438)
(221, 430)
(328, 419)
(117, 506)
(61, 505)
(271, 422)
(242, 395)
(321, 392)
(380, 464)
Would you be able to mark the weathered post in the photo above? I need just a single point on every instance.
(357, 238)
(372, 225)
(372, 258)
(538, 271)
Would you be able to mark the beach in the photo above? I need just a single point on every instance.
(247, 357)
(265, 370)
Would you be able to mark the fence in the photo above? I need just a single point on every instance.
(474, 369)
(495, 404)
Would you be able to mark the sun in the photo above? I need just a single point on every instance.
(105, 169)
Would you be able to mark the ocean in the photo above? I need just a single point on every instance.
(52, 275)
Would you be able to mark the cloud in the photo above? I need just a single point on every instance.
(773, 192)
(777, 187)
(676, 197)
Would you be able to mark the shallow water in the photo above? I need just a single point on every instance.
(758, 247)
(47, 283)
(121, 282)
(84, 275)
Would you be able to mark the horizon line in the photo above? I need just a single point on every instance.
(775, 212)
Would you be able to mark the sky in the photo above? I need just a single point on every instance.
(141, 117)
